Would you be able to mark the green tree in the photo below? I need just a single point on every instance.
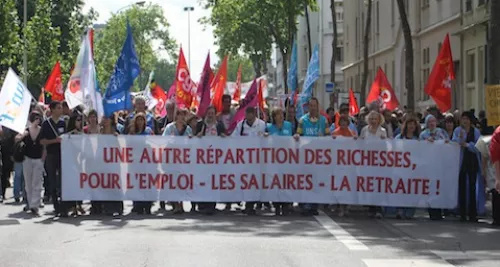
(9, 37)
(233, 63)
(148, 25)
(165, 73)
(252, 26)
(42, 44)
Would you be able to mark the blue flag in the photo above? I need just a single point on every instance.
(292, 72)
(127, 68)
(311, 77)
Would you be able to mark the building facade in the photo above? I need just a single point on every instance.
(430, 21)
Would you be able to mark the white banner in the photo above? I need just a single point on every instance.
(313, 170)
(15, 102)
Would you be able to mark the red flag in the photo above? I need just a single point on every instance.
(219, 85)
(262, 101)
(439, 84)
(183, 83)
(204, 88)
(353, 103)
(54, 87)
(237, 91)
(41, 98)
(382, 92)
(160, 95)
(91, 36)
(250, 100)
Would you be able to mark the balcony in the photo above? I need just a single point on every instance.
(476, 15)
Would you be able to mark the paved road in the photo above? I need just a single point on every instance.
(237, 240)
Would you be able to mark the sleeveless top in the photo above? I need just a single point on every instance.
(33, 149)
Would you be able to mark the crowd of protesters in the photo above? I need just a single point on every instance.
(35, 155)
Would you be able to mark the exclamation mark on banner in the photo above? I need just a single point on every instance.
(438, 185)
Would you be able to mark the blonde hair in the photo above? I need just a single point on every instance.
(375, 113)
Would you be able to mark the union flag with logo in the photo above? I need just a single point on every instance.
(439, 84)
(183, 83)
(382, 92)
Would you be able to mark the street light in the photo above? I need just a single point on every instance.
(189, 9)
(139, 3)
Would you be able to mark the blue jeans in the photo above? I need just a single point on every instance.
(18, 179)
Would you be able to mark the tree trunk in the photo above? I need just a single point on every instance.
(334, 41)
(494, 44)
(256, 61)
(366, 43)
(308, 31)
(409, 81)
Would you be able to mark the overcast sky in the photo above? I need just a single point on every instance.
(201, 40)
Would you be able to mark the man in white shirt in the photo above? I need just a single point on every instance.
(250, 126)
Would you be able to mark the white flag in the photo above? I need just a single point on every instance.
(151, 102)
(82, 86)
(15, 102)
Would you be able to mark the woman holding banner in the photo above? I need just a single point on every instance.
(343, 130)
(75, 126)
(432, 133)
(410, 130)
(374, 131)
(279, 127)
(471, 191)
(138, 126)
(210, 126)
(178, 128)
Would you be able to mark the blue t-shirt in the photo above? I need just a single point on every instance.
(285, 130)
(310, 128)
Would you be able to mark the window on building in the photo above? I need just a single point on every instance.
(356, 33)
(385, 68)
(392, 11)
(425, 77)
(468, 5)
(393, 74)
(424, 3)
(425, 56)
(339, 54)
(439, 47)
(480, 2)
(378, 18)
(471, 66)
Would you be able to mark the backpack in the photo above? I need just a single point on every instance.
(19, 151)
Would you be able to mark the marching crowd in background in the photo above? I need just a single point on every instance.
(34, 157)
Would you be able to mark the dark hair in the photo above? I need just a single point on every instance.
(330, 109)
(65, 104)
(344, 118)
(314, 99)
(92, 112)
(344, 105)
(250, 110)
(344, 110)
(72, 121)
(410, 119)
(53, 105)
(226, 97)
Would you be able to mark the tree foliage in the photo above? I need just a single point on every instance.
(233, 63)
(165, 73)
(252, 26)
(148, 25)
(42, 45)
(9, 36)
(62, 20)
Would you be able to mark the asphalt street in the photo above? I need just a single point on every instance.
(233, 239)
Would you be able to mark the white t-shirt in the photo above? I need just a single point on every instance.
(483, 145)
(366, 134)
(258, 128)
(211, 130)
